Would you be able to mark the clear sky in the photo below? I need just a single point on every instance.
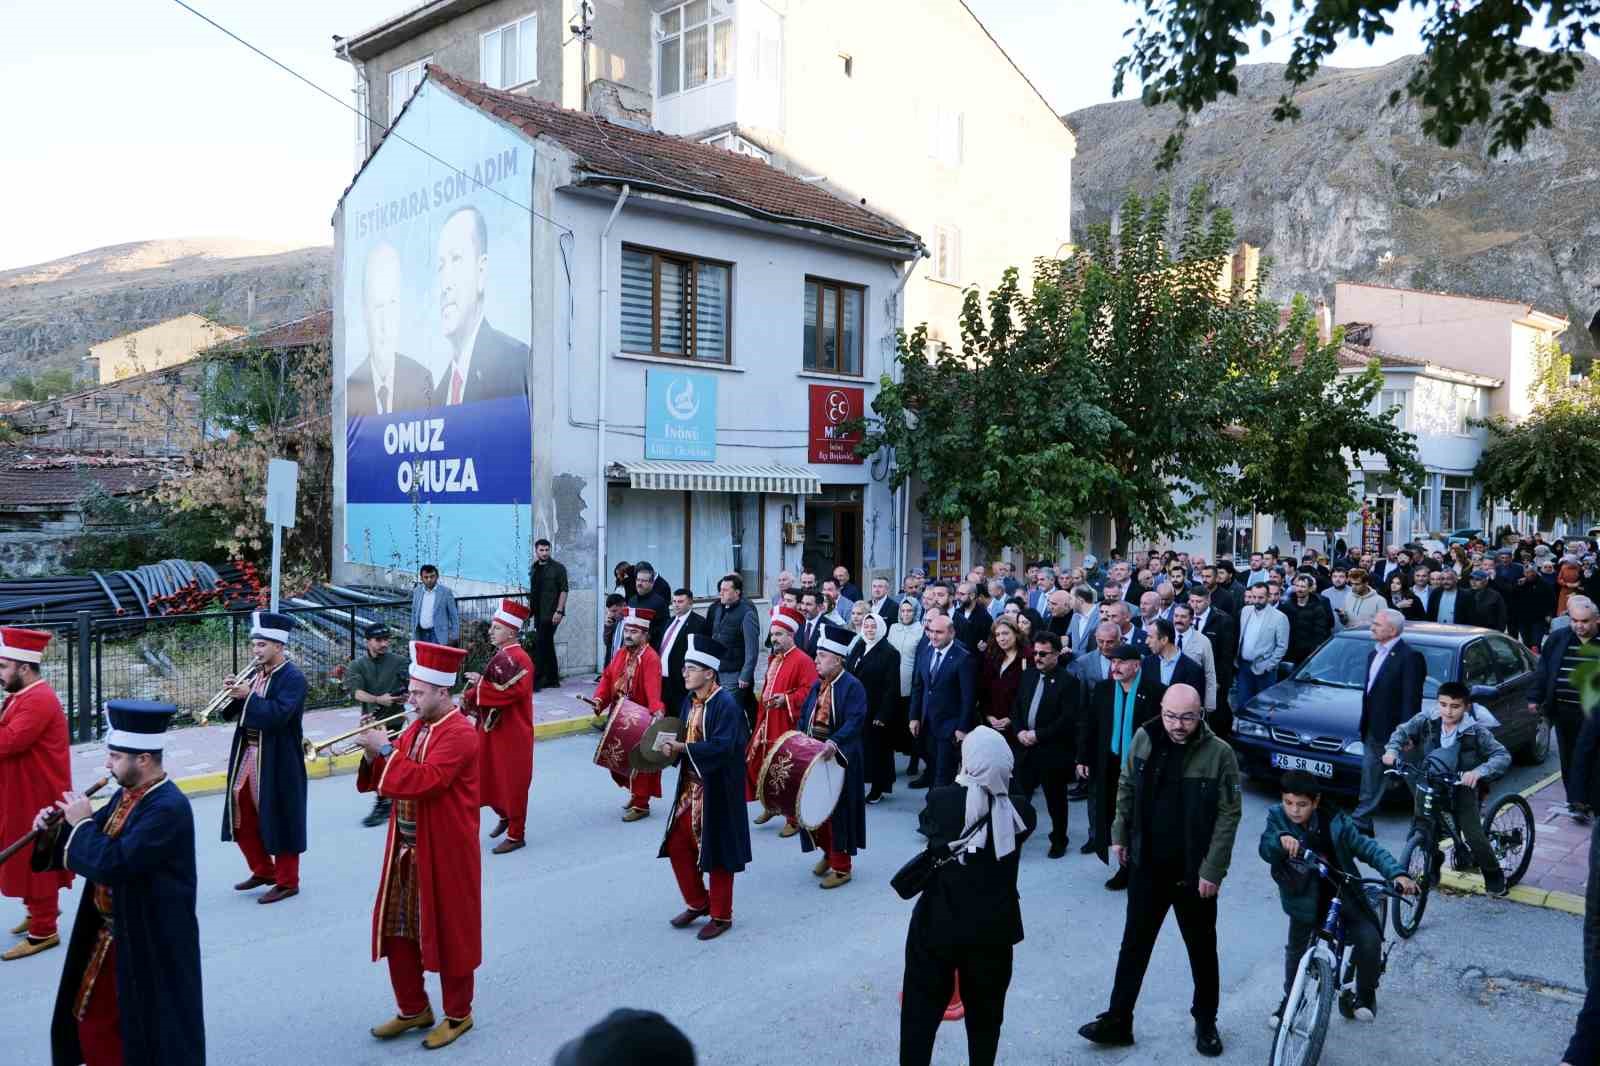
(130, 120)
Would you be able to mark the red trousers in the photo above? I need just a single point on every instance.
(644, 786)
(837, 860)
(405, 974)
(516, 822)
(100, 1029)
(284, 870)
(42, 914)
(685, 859)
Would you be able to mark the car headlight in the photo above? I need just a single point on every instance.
(1245, 727)
(1355, 747)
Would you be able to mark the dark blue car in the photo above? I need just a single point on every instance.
(1310, 720)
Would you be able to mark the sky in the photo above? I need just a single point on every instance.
(131, 120)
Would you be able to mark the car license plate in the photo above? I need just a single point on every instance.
(1296, 762)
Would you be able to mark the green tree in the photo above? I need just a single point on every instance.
(43, 386)
(1545, 464)
(1474, 69)
(1308, 427)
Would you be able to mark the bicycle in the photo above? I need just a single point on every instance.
(1508, 825)
(1326, 968)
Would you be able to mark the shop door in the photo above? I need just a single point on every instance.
(833, 538)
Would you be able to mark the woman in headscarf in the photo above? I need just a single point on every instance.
(904, 636)
(967, 920)
(876, 664)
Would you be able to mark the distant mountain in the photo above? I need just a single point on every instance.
(52, 312)
(1355, 192)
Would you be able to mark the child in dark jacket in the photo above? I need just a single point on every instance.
(1296, 826)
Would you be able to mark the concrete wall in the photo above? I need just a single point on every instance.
(159, 346)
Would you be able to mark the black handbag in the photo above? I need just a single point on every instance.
(914, 876)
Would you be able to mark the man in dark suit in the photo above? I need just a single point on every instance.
(1219, 628)
(884, 605)
(1450, 603)
(1393, 694)
(485, 364)
(1166, 661)
(943, 698)
(1117, 708)
(811, 604)
(385, 381)
(1553, 694)
(973, 631)
(1042, 729)
(651, 593)
(685, 623)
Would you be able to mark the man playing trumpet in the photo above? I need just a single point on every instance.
(377, 682)
(501, 699)
(429, 910)
(634, 673)
(265, 809)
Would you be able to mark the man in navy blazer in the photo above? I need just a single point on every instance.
(943, 698)
(1393, 694)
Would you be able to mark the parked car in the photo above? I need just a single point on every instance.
(1310, 720)
(1430, 545)
(1463, 536)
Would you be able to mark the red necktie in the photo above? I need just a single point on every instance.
(456, 383)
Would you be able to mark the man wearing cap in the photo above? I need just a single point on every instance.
(790, 675)
(627, 1035)
(130, 990)
(429, 910)
(1118, 706)
(835, 711)
(377, 682)
(707, 832)
(1487, 607)
(265, 808)
(501, 699)
(634, 673)
(35, 768)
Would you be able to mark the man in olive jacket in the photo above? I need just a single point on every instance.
(1178, 808)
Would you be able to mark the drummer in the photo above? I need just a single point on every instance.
(835, 711)
(634, 673)
(790, 675)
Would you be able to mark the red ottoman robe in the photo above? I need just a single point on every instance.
(35, 769)
(791, 676)
(506, 760)
(644, 688)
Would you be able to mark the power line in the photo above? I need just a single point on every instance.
(361, 115)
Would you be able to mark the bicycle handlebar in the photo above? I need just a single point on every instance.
(1312, 860)
(1405, 769)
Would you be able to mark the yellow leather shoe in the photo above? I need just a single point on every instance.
(789, 830)
(397, 1025)
(20, 928)
(835, 879)
(633, 814)
(820, 868)
(446, 1032)
(29, 946)
(765, 816)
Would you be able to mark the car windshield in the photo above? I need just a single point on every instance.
(1342, 663)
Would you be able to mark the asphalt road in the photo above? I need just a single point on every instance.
(575, 925)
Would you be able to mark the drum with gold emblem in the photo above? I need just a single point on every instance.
(797, 782)
(623, 733)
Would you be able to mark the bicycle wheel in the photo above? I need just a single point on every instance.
(1407, 910)
(1510, 829)
(1304, 1025)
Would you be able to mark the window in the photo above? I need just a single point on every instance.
(1398, 398)
(731, 142)
(944, 136)
(675, 306)
(1477, 664)
(947, 254)
(404, 82)
(1455, 502)
(694, 45)
(1511, 660)
(508, 55)
(1463, 409)
(694, 539)
(833, 321)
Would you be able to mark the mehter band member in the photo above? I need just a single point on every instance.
(836, 711)
(634, 673)
(130, 991)
(790, 675)
(265, 811)
(429, 911)
(708, 832)
(35, 768)
(501, 698)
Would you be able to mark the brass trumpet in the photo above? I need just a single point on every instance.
(342, 744)
(225, 697)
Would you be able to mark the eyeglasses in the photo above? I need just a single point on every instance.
(1180, 719)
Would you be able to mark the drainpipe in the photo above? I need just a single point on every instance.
(601, 491)
(903, 503)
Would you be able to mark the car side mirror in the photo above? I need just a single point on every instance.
(1285, 669)
(1483, 692)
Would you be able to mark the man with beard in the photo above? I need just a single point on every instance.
(385, 381)
(485, 364)
(634, 673)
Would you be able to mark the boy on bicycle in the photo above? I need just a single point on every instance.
(1479, 758)
(1297, 825)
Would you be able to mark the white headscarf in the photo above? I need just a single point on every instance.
(986, 772)
(879, 627)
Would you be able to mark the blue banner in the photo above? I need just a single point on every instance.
(473, 453)
(680, 416)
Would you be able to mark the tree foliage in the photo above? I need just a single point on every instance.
(1475, 68)
(1545, 464)
(42, 386)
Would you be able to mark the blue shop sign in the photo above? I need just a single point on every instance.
(680, 419)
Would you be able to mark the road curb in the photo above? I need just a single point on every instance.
(214, 783)
(1550, 899)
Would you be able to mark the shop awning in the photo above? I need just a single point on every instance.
(715, 477)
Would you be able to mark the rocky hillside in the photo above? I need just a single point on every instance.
(1353, 191)
(51, 313)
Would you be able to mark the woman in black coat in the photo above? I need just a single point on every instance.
(876, 664)
(968, 919)
(1402, 599)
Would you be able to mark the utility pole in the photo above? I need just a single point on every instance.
(582, 31)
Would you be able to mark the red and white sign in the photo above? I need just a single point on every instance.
(832, 408)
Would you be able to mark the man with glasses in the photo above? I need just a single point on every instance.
(1042, 727)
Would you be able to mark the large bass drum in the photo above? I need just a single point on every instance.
(622, 734)
(797, 782)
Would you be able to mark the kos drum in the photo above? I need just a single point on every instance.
(797, 782)
(622, 734)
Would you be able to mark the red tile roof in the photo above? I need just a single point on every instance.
(611, 153)
(300, 333)
(42, 477)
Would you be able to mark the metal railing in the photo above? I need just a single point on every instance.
(183, 658)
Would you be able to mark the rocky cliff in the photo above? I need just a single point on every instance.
(51, 313)
(1353, 190)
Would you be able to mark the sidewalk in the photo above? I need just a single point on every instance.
(197, 758)
(1558, 875)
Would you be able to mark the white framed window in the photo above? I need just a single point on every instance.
(945, 136)
(508, 55)
(404, 82)
(694, 45)
(1398, 398)
(947, 254)
(732, 142)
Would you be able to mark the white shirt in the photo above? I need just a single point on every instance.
(1381, 654)
(667, 642)
(1447, 736)
(425, 613)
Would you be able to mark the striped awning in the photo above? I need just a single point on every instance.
(715, 477)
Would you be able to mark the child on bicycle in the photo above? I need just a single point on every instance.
(1297, 825)
(1479, 758)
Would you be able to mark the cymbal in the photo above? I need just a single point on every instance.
(645, 756)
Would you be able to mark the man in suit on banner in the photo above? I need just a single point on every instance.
(485, 364)
(385, 381)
